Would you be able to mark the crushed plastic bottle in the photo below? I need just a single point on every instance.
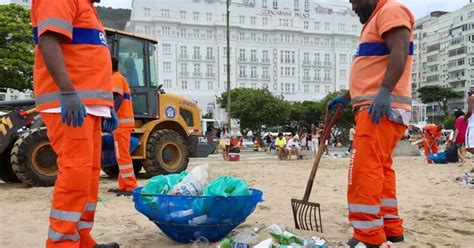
(242, 239)
(200, 242)
(193, 184)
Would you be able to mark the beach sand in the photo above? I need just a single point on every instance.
(437, 210)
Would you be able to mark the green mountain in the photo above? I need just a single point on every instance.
(114, 18)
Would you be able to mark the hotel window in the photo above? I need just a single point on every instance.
(197, 52)
(306, 5)
(209, 53)
(147, 11)
(253, 20)
(297, 4)
(264, 21)
(316, 88)
(306, 25)
(182, 15)
(306, 88)
(326, 88)
(166, 66)
(196, 33)
(316, 25)
(209, 34)
(253, 37)
(197, 70)
(166, 48)
(343, 58)
(210, 70)
(184, 52)
(242, 55)
(242, 19)
(275, 4)
(264, 4)
(166, 31)
(265, 56)
(184, 85)
(209, 85)
(327, 26)
(253, 72)
(197, 85)
(165, 12)
(342, 74)
(209, 17)
(182, 32)
(253, 55)
(167, 83)
(241, 36)
(264, 38)
(196, 16)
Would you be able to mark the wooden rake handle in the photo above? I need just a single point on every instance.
(328, 124)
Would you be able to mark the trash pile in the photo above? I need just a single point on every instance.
(466, 179)
(274, 237)
(187, 206)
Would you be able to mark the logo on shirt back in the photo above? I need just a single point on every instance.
(102, 38)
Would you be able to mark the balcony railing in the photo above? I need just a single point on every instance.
(183, 56)
(197, 74)
(210, 75)
(265, 60)
(210, 58)
(197, 57)
(184, 74)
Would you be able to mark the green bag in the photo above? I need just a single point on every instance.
(160, 185)
(227, 186)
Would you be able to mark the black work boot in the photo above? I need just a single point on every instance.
(396, 239)
(108, 245)
(354, 242)
(113, 191)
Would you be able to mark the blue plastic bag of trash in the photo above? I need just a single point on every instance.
(160, 185)
(227, 186)
(438, 158)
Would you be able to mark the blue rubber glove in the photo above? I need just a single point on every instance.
(334, 103)
(381, 105)
(73, 111)
(110, 124)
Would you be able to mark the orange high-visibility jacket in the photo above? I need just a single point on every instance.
(125, 112)
(86, 55)
(431, 132)
(370, 62)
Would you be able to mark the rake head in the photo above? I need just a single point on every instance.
(307, 215)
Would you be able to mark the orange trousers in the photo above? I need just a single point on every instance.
(126, 179)
(426, 147)
(372, 193)
(77, 185)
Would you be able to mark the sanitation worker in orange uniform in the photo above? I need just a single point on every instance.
(126, 122)
(73, 93)
(380, 91)
(432, 134)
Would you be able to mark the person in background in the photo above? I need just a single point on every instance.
(314, 138)
(469, 120)
(226, 136)
(280, 144)
(268, 141)
(303, 142)
(320, 136)
(293, 147)
(127, 181)
(432, 133)
(351, 137)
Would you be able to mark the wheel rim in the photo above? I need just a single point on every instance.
(44, 159)
(170, 155)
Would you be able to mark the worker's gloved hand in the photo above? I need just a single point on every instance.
(110, 124)
(73, 111)
(338, 101)
(381, 105)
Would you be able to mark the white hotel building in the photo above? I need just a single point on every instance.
(301, 49)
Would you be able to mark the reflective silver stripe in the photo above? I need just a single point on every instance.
(361, 208)
(83, 94)
(84, 225)
(65, 215)
(389, 203)
(367, 224)
(391, 216)
(127, 175)
(124, 167)
(118, 90)
(91, 206)
(55, 22)
(129, 120)
(57, 236)
(397, 99)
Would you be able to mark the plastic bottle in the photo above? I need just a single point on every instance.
(193, 184)
(242, 239)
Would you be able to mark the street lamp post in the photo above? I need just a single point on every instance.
(228, 66)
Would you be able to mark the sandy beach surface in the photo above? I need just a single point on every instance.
(437, 210)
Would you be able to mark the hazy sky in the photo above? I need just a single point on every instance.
(419, 7)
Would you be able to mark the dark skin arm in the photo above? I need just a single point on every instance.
(470, 105)
(118, 99)
(50, 46)
(398, 42)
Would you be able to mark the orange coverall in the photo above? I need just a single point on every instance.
(430, 143)
(126, 179)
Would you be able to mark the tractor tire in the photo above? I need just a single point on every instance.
(6, 172)
(166, 153)
(113, 171)
(33, 159)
